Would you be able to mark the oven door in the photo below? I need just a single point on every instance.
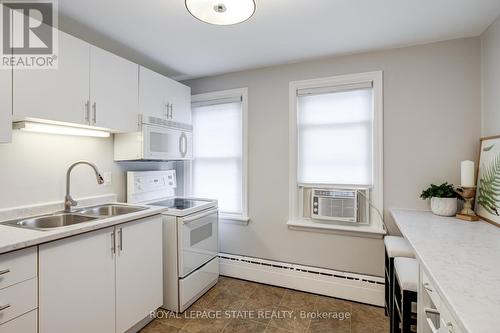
(198, 240)
(166, 143)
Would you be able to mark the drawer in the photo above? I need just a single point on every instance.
(429, 289)
(25, 324)
(448, 323)
(18, 299)
(195, 284)
(18, 266)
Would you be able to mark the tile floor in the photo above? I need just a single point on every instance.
(237, 306)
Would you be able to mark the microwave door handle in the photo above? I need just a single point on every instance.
(183, 144)
(180, 144)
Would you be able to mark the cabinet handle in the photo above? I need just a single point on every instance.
(120, 239)
(87, 112)
(113, 242)
(5, 271)
(430, 323)
(166, 110)
(3, 307)
(427, 287)
(94, 109)
(171, 111)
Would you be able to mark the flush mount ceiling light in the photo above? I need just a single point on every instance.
(221, 12)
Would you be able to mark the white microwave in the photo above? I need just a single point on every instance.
(159, 140)
(335, 205)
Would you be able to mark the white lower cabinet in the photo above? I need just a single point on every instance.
(101, 281)
(433, 314)
(139, 271)
(18, 291)
(26, 323)
(77, 284)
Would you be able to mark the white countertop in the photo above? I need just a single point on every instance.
(13, 238)
(463, 261)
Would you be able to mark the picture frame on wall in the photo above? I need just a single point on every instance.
(487, 204)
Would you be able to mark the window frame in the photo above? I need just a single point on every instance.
(295, 203)
(219, 95)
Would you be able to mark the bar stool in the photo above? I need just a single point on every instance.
(395, 246)
(403, 317)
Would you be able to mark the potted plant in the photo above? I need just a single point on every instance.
(443, 199)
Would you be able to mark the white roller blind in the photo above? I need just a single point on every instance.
(218, 154)
(335, 137)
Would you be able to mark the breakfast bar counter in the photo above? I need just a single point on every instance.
(462, 260)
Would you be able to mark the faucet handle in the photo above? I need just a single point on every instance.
(69, 202)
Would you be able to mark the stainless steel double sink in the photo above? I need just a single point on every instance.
(63, 219)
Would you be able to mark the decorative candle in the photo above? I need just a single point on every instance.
(467, 173)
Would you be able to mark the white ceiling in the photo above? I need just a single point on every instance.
(162, 35)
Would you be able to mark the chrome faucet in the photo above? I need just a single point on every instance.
(68, 200)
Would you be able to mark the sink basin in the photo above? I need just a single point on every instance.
(61, 219)
(49, 222)
(109, 210)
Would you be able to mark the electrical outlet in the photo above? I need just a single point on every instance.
(108, 178)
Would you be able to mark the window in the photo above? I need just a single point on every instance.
(336, 140)
(335, 135)
(218, 169)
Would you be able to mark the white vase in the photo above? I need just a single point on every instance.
(444, 206)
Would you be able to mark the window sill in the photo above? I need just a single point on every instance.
(367, 231)
(234, 218)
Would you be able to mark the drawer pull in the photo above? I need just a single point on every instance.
(427, 287)
(3, 307)
(5, 271)
(430, 322)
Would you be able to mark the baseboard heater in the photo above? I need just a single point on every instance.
(350, 286)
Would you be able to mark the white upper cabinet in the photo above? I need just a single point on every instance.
(58, 94)
(5, 105)
(164, 98)
(179, 97)
(113, 91)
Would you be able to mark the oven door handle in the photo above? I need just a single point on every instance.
(192, 218)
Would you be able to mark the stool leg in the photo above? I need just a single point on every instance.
(387, 290)
(393, 322)
(406, 311)
(392, 277)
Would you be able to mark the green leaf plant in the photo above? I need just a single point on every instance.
(489, 187)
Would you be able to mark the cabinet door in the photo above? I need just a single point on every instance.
(152, 94)
(5, 105)
(179, 96)
(77, 284)
(56, 94)
(114, 85)
(139, 271)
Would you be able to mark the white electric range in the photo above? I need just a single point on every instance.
(190, 237)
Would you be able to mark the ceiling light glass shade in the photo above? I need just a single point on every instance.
(221, 12)
(58, 129)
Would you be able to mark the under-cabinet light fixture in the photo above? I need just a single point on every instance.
(30, 126)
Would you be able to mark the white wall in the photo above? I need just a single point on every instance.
(431, 123)
(491, 80)
(33, 168)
